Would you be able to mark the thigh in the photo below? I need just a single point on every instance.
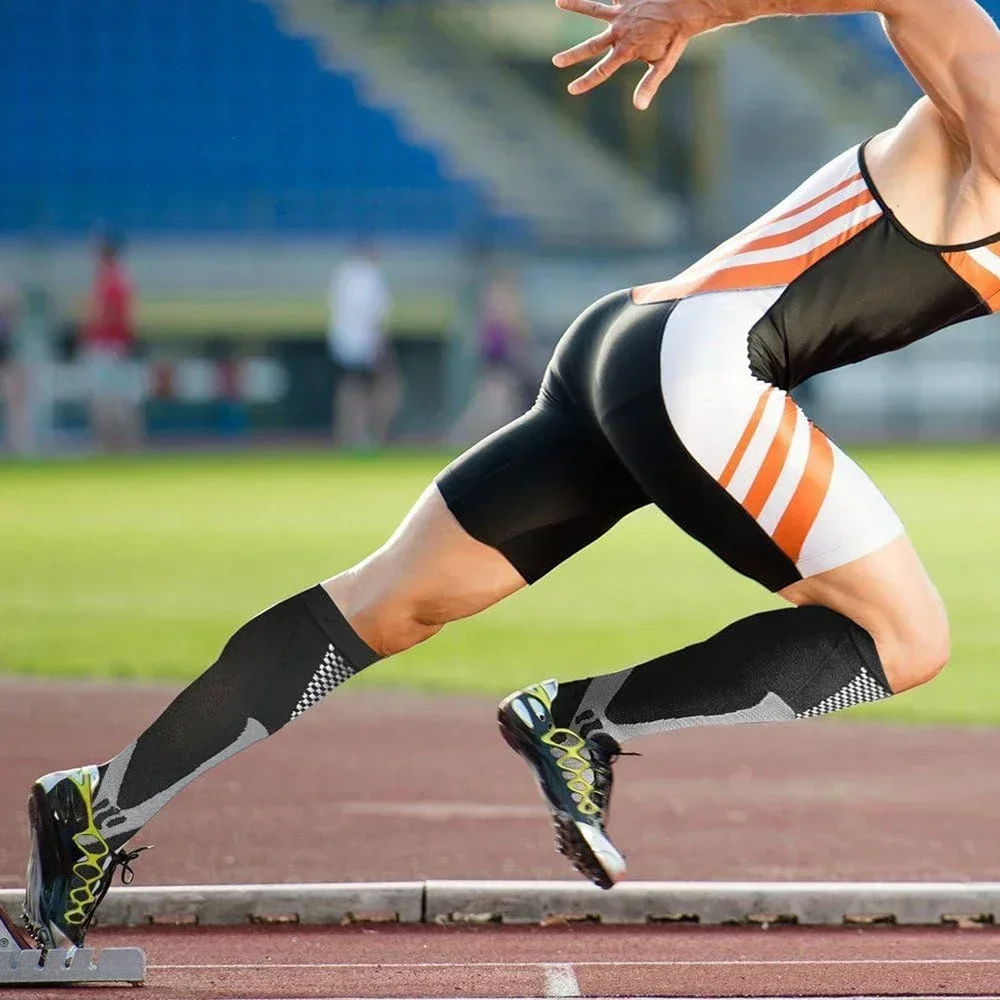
(541, 488)
(430, 572)
(732, 460)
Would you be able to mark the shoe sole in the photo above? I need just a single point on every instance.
(586, 848)
(45, 857)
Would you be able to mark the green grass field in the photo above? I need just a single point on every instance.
(142, 568)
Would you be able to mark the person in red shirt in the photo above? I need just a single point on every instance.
(108, 343)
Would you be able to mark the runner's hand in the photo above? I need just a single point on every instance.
(655, 32)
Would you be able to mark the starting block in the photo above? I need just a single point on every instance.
(23, 964)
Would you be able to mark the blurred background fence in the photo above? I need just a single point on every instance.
(243, 149)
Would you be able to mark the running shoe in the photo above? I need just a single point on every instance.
(71, 865)
(574, 773)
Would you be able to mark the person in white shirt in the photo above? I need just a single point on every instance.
(364, 393)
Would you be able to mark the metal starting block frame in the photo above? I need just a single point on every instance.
(22, 964)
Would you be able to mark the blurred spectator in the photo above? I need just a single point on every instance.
(11, 389)
(8, 313)
(504, 386)
(503, 333)
(366, 383)
(28, 325)
(108, 345)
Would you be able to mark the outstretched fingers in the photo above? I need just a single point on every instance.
(619, 44)
(599, 73)
(591, 8)
(585, 50)
(657, 73)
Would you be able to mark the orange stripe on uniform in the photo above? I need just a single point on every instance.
(721, 271)
(765, 275)
(803, 509)
(774, 461)
(984, 281)
(807, 228)
(820, 197)
(744, 442)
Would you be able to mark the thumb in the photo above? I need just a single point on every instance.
(657, 73)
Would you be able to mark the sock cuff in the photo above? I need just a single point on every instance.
(338, 629)
(864, 643)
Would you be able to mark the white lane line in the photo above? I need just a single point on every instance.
(560, 981)
(679, 964)
(442, 811)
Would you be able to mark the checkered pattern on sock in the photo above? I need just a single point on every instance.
(332, 672)
(862, 689)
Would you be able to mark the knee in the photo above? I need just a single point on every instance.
(387, 617)
(916, 651)
(390, 630)
(429, 573)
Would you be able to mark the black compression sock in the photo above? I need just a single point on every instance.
(771, 667)
(271, 670)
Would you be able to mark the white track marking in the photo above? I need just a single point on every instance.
(679, 964)
(560, 981)
(442, 811)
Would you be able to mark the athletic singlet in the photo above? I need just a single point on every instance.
(678, 392)
(832, 277)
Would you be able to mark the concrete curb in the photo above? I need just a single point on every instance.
(474, 902)
(714, 902)
(307, 903)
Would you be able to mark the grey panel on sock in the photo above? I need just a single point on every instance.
(770, 667)
(769, 709)
(119, 824)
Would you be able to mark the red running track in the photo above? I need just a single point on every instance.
(492, 961)
(329, 799)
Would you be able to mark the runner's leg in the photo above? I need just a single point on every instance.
(543, 487)
(737, 465)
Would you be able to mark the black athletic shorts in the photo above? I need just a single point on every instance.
(599, 443)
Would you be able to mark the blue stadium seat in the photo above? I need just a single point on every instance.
(175, 116)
